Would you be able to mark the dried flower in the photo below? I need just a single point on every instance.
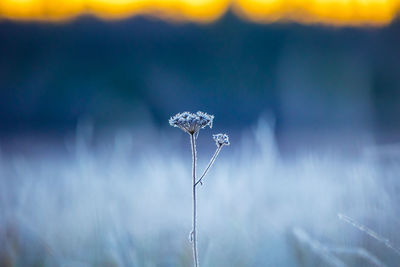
(221, 139)
(191, 122)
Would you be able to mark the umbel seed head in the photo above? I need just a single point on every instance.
(191, 122)
(221, 139)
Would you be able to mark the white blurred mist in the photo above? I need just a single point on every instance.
(124, 199)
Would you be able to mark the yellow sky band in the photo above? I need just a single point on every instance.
(336, 12)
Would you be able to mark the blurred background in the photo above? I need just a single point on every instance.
(91, 174)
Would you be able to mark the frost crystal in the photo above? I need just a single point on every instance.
(221, 139)
(191, 122)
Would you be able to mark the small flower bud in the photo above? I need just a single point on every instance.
(221, 139)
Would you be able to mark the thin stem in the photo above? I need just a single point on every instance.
(209, 165)
(194, 230)
(369, 232)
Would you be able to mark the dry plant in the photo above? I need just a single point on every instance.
(192, 123)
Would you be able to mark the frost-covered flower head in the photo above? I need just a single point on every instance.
(191, 122)
(221, 139)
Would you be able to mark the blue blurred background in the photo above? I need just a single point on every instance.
(91, 174)
(309, 78)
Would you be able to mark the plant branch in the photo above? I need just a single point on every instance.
(193, 234)
(209, 165)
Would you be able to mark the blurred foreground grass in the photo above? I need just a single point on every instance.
(125, 200)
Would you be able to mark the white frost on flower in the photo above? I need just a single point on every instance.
(191, 122)
(221, 139)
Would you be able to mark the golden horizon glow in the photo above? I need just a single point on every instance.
(333, 12)
(336, 12)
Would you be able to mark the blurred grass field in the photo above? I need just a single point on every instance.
(124, 199)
